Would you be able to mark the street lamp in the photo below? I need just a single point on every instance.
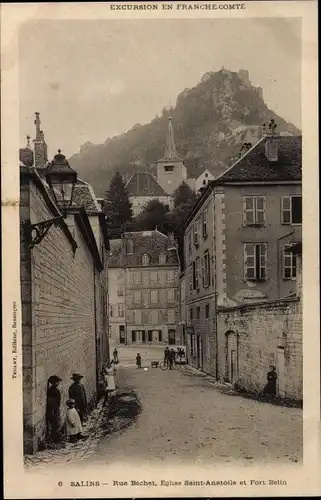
(61, 179)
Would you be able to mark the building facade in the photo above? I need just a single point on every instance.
(148, 310)
(252, 212)
(142, 188)
(203, 179)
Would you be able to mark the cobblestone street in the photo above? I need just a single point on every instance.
(181, 416)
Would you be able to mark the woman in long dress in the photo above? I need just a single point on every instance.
(109, 381)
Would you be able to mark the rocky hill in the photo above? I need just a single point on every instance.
(211, 121)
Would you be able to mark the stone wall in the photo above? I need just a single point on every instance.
(261, 335)
(61, 312)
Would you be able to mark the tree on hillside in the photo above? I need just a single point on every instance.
(184, 195)
(117, 206)
(154, 215)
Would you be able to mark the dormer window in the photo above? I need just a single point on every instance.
(162, 259)
(145, 259)
(169, 168)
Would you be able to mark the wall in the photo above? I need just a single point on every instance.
(139, 202)
(259, 332)
(170, 181)
(205, 176)
(236, 234)
(60, 314)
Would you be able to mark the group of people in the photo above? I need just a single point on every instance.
(169, 357)
(76, 408)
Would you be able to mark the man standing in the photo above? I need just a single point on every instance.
(115, 356)
(78, 394)
(171, 358)
(53, 408)
(166, 356)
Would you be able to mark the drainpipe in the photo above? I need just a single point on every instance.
(215, 289)
(278, 261)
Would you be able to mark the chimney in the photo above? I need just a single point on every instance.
(41, 155)
(271, 142)
(245, 148)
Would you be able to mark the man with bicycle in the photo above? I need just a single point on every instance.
(171, 358)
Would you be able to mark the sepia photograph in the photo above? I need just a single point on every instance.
(161, 230)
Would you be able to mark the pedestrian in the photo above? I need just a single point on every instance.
(138, 360)
(53, 408)
(166, 356)
(171, 358)
(115, 356)
(73, 422)
(78, 393)
(270, 387)
(109, 381)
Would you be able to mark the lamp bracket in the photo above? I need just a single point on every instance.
(35, 233)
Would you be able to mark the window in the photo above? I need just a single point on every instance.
(255, 256)
(121, 310)
(129, 247)
(162, 259)
(153, 277)
(289, 264)
(204, 182)
(191, 314)
(291, 210)
(195, 229)
(196, 270)
(171, 316)
(170, 277)
(198, 312)
(120, 292)
(169, 168)
(154, 296)
(137, 297)
(170, 296)
(121, 334)
(138, 317)
(155, 317)
(137, 278)
(206, 175)
(207, 270)
(190, 242)
(207, 311)
(254, 210)
(204, 224)
(145, 259)
(190, 277)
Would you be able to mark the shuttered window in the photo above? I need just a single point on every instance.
(255, 260)
(254, 210)
(291, 210)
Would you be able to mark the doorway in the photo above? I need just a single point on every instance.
(121, 334)
(231, 367)
(133, 336)
(143, 336)
(150, 335)
(280, 371)
(171, 337)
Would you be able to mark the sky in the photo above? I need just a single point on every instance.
(91, 79)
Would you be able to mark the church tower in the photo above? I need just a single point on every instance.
(171, 171)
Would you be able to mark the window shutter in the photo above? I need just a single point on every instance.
(263, 260)
(203, 271)
(248, 210)
(286, 210)
(260, 210)
(249, 261)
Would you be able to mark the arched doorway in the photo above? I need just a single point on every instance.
(232, 357)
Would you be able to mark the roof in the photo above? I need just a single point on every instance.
(255, 166)
(144, 184)
(152, 243)
(84, 196)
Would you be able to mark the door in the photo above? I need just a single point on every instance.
(143, 336)
(133, 335)
(280, 371)
(160, 336)
(231, 358)
(150, 335)
(121, 334)
(171, 337)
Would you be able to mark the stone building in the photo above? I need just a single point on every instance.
(63, 295)
(251, 214)
(203, 179)
(143, 277)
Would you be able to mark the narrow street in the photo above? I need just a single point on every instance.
(184, 418)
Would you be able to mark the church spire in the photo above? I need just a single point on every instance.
(170, 150)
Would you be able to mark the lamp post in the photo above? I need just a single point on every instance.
(61, 179)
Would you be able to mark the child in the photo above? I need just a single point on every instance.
(138, 361)
(73, 422)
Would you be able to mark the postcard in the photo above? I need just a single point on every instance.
(161, 322)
